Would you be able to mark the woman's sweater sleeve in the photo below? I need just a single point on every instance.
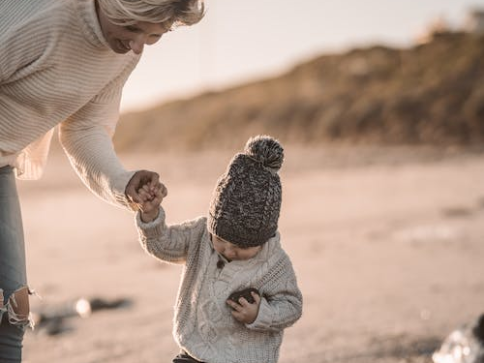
(281, 305)
(169, 243)
(86, 138)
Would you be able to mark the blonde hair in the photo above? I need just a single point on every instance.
(171, 12)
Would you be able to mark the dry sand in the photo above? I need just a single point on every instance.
(387, 244)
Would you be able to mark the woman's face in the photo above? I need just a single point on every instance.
(232, 252)
(123, 38)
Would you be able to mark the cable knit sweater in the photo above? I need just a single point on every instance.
(57, 68)
(203, 325)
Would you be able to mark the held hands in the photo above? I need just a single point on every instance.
(138, 180)
(146, 192)
(243, 311)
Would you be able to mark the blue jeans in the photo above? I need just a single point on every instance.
(13, 274)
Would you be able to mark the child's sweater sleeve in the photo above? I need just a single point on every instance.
(169, 243)
(281, 303)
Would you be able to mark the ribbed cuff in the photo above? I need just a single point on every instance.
(264, 317)
(151, 229)
(119, 190)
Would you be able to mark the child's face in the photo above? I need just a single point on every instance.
(232, 252)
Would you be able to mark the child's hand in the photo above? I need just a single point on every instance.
(152, 197)
(245, 312)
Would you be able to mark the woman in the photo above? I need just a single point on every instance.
(65, 63)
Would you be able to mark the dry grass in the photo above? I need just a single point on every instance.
(428, 94)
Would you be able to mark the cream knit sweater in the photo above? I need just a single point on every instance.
(56, 68)
(204, 326)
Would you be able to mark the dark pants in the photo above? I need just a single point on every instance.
(183, 357)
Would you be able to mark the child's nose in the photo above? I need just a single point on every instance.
(229, 253)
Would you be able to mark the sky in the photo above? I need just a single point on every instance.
(239, 41)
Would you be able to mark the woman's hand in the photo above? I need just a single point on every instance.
(243, 311)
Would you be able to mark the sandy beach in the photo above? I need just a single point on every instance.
(387, 245)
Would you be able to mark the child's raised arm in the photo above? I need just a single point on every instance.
(153, 198)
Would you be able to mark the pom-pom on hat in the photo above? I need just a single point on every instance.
(246, 202)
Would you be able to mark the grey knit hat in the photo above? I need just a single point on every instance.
(246, 202)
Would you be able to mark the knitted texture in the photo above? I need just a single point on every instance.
(203, 325)
(56, 68)
(246, 202)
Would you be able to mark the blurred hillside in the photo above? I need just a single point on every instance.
(430, 94)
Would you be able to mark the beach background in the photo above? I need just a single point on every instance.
(382, 215)
(387, 246)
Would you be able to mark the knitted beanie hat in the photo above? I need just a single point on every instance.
(246, 202)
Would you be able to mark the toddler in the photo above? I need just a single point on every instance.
(234, 248)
